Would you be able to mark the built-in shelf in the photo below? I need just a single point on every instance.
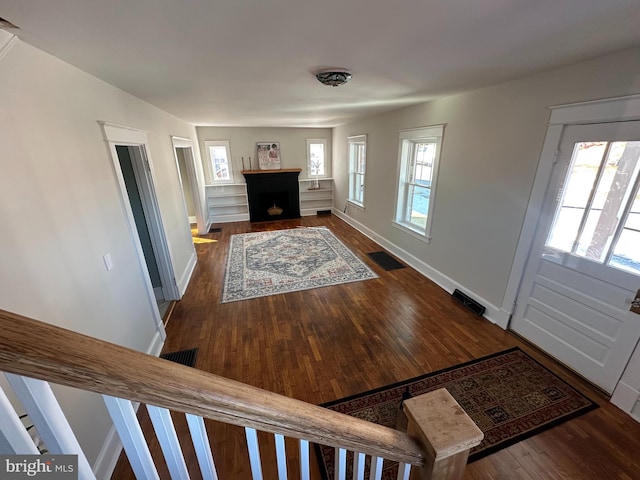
(227, 202)
(314, 200)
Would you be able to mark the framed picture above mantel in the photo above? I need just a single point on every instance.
(268, 155)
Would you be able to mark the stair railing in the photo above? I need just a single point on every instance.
(436, 446)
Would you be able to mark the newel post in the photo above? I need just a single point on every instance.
(446, 433)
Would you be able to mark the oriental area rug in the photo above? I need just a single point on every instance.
(508, 395)
(281, 261)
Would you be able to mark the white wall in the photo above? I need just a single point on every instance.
(60, 211)
(491, 147)
(242, 142)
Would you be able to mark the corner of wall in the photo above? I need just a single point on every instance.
(184, 279)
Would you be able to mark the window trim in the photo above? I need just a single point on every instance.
(210, 168)
(406, 141)
(323, 141)
(356, 140)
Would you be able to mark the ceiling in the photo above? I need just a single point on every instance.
(250, 63)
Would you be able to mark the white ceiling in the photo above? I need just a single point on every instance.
(249, 63)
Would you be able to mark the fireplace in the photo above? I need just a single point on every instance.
(273, 194)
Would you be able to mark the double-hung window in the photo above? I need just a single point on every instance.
(317, 158)
(357, 166)
(220, 168)
(419, 152)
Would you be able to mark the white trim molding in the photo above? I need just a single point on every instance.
(597, 111)
(184, 279)
(116, 135)
(493, 313)
(7, 44)
(196, 178)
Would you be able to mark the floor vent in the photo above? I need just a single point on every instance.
(184, 357)
(468, 302)
(385, 260)
(323, 212)
(215, 229)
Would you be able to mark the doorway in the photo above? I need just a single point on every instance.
(583, 268)
(126, 155)
(134, 173)
(192, 182)
(188, 193)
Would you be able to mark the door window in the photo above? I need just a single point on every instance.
(598, 214)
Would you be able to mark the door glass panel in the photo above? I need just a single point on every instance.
(598, 213)
(626, 254)
(582, 176)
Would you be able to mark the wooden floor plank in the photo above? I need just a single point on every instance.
(330, 342)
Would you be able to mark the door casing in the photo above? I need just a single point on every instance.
(599, 111)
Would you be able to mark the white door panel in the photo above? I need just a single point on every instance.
(584, 266)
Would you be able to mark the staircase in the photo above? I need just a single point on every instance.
(435, 445)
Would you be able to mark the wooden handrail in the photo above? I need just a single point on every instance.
(47, 352)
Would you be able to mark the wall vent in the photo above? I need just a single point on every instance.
(468, 302)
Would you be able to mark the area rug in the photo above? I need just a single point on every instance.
(508, 395)
(281, 261)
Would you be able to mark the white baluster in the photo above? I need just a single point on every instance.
(281, 457)
(376, 468)
(254, 453)
(358, 466)
(124, 419)
(40, 403)
(202, 447)
(168, 438)
(304, 460)
(404, 470)
(14, 438)
(341, 464)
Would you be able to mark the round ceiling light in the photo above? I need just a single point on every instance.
(333, 78)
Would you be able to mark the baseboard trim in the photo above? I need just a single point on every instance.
(493, 313)
(185, 278)
(155, 347)
(107, 459)
(625, 398)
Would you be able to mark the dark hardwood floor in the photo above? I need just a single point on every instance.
(323, 344)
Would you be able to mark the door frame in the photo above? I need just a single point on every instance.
(196, 176)
(119, 135)
(618, 109)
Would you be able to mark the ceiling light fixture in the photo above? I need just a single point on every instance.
(333, 77)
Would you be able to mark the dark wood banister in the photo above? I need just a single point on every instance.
(47, 352)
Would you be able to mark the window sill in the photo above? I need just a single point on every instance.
(359, 206)
(414, 233)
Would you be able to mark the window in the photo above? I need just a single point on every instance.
(418, 168)
(357, 166)
(220, 161)
(317, 158)
(598, 216)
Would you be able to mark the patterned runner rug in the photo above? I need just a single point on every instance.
(509, 395)
(268, 263)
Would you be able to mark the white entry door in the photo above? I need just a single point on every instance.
(583, 271)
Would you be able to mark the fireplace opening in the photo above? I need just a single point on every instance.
(273, 195)
(275, 204)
